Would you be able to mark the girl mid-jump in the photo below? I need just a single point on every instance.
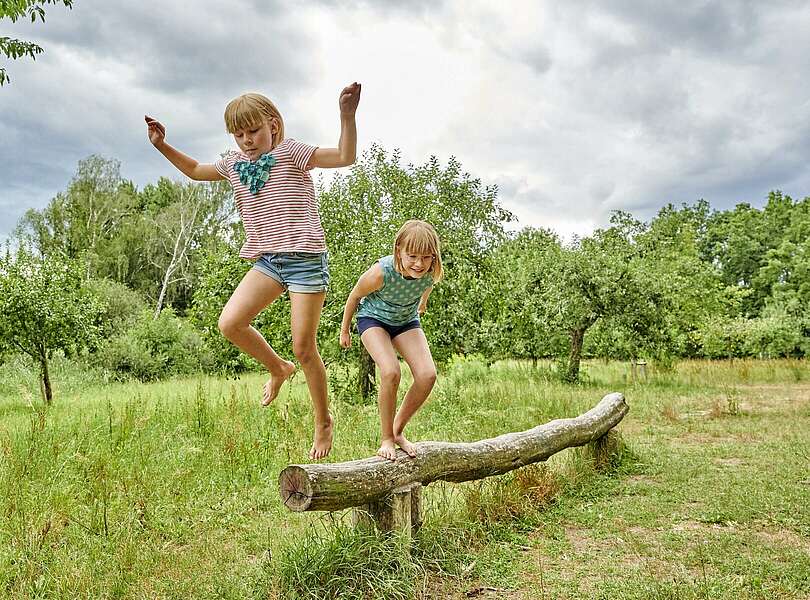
(276, 200)
(391, 295)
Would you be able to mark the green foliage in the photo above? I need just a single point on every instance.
(45, 306)
(148, 240)
(361, 213)
(19, 9)
(755, 249)
(776, 335)
(119, 305)
(154, 348)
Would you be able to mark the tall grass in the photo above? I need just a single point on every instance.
(170, 489)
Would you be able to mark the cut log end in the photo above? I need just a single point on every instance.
(296, 488)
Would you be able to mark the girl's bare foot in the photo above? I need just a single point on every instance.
(275, 382)
(387, 450)
(322, 443)
(403, 443)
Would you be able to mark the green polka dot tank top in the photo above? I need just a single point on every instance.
(397, 301)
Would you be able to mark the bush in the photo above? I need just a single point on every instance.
(156, 348)
(773, 336)
(120, 306)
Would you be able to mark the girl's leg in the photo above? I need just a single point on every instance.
(255, 292)
(378, 343)
(306, 313)
(413, 347)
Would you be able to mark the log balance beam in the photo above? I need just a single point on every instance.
(388, 492)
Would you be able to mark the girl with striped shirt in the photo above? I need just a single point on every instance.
(276, 200)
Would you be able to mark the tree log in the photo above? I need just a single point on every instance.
(358, 482)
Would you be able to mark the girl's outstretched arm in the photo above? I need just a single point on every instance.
(185, 164)
(370, 281)
(346, 152)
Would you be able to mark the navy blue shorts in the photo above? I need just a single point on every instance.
(364, 323)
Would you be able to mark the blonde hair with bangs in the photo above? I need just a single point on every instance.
(250, 111)
(419, 237)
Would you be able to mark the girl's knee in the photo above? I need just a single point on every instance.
(425, 378)
(227, 325)
(390, 375)
(305, 352)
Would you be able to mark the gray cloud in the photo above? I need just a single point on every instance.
(573, 109)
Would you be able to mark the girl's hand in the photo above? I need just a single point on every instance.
(155, 130)
(349, 99)
(345, 339)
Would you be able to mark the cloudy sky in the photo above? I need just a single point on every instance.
(574, 109)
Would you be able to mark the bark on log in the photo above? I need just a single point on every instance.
(358, 482)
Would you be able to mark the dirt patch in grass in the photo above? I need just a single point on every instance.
(642, 480)
(443, 588)
(729, 462)
(778, 538)
(695, 437)
(783, 537)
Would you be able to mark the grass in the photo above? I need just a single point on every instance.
(169, 490)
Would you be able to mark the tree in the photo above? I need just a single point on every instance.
(148, 240)
(179, 229)
(737, 242)
(18, 9)
(81, 221)
(44, 306)
(361, 213)
(563, 291)
(513, 325)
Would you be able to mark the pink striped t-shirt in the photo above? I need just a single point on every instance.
(283, 216)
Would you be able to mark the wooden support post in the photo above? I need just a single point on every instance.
(416, 508)
(400, 511)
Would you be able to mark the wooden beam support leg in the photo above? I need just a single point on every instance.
(394, 512)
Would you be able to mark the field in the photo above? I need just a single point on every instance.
(169, 490)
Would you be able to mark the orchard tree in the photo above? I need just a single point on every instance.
(361, 213)
(22, 9)
(571, 288)
(44, 306)
(513, 324)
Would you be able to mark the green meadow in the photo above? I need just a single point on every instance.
(169, 489)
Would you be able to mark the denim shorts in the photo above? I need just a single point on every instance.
(393, 331)
(298, 272)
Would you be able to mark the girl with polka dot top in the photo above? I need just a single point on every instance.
(391, 295)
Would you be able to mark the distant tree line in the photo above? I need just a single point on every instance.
(133, 280)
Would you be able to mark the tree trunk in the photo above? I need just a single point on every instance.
(360, 482)
(45, 378)
(366, 382)
(572, 371)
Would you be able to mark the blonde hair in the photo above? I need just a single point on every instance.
(419, 237)
(252, 110)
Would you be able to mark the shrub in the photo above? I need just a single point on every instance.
(120, 306)
(155, 348)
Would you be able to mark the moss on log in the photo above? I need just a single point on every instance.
(359, 482)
